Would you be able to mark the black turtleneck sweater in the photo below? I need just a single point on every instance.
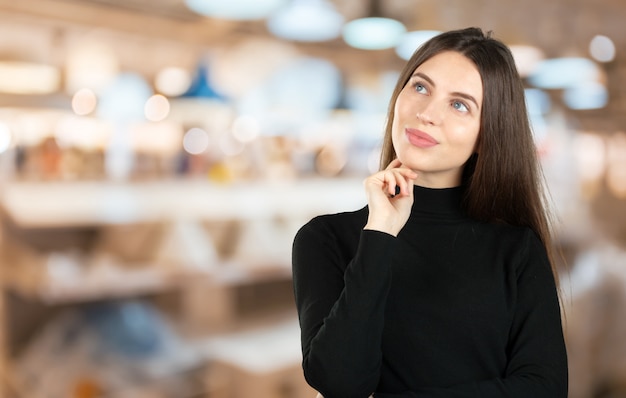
(450, 308)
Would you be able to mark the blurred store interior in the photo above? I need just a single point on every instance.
(158, 156)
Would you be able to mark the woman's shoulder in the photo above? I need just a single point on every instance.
(338, 222)
(332, 230)
(522, 242)
(510, 237)
(328, 239)
(504, 230)
(514, 232)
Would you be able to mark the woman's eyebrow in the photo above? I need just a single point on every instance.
(467, 97)
(456, 93)
(423, 76)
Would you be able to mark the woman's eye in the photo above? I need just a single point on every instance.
(420, 88)
(459, 106)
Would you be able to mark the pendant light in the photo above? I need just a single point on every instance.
(373, 32)
(561, 73)
(306, 21)
(235, 9)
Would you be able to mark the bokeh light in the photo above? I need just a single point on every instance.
(172, 81)
(602, 48)
(157, 108)
(195, 141)
(84, 102)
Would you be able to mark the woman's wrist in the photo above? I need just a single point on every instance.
(382, 227)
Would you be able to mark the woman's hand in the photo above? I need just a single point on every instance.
(388, 211)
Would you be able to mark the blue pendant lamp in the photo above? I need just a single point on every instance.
(201, 85)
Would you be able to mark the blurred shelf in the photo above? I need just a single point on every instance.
(130, 283)
(63, 204)
(124, 283)
(233, 273)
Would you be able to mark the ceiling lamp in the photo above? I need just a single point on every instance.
(28, 78)
(235, 9)
(588, 95)
(307, 21)
(201, 86)
(411, 41)
(373, 32)
(560, 73)
(125, 98)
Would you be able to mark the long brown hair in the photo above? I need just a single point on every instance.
(503, 179)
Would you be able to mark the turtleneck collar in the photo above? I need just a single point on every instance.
(437, 202)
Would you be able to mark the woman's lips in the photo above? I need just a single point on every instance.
(420, 139)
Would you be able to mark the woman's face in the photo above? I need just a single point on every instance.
(437, 119)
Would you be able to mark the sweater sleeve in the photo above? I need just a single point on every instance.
(341, 312)
(537, 365)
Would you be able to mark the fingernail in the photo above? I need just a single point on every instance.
(397, 191)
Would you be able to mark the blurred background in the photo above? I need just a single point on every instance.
(158, 156)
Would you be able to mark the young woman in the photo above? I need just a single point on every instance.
(442, 286)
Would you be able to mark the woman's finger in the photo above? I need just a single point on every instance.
(403, 179)
(394, 180)
(390, 180)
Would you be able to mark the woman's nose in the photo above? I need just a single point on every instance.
(429, 113)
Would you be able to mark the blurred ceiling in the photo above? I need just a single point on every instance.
(148, 33)
(560, 27)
